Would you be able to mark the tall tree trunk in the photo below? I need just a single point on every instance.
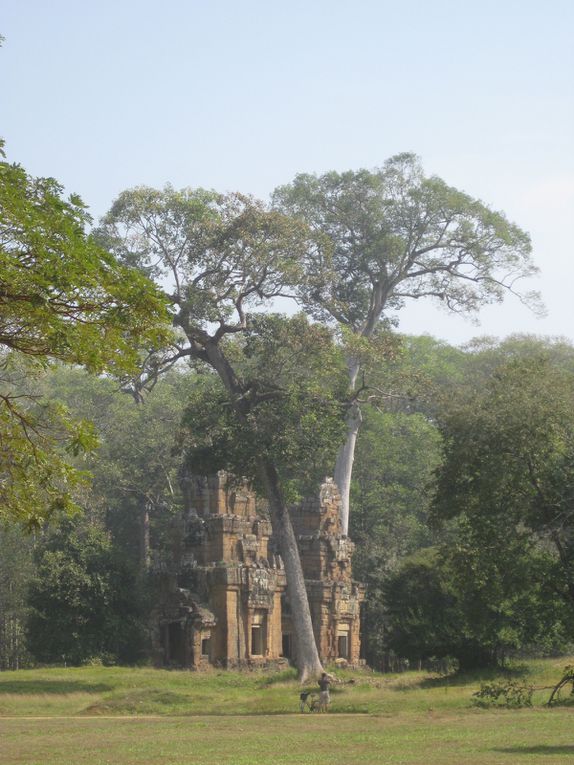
(308, 662)
(344, 464)
(346, 455)
(145, 551)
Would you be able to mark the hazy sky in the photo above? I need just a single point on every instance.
(244, 94)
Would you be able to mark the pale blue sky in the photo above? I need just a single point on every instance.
(243, 95)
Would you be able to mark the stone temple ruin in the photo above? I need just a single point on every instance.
(223, 597)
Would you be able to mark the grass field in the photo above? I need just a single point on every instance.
(100, 716)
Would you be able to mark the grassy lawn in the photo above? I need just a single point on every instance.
(479, 737)
(102, 715)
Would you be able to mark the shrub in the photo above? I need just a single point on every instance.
(504, 693)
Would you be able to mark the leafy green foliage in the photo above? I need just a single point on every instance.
(38, 440)
(61, 297)
(396, 455)
(223, 254)
(421, 609)
(498, 577)
(397, 234)
(485, 592)
(16, 571)
(83, 600)
(510, 694)
(135, 469)
(227, 256)
(509, 458)
(294, 377)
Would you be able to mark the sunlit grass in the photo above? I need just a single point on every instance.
(472, 737)
(105, 715)
(145, 691)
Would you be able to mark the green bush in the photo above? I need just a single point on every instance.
(504, 693)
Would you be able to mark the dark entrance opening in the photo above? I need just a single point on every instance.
(176, 643)
(286, 645)
(343, 647)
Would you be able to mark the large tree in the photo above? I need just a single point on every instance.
(509, 456)
(297, 423)
(83, 598)
(396, 455)
(485, 593)
(224, 256)
(398, 234)
(134, 471)
(61, 297)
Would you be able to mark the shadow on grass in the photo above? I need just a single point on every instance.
(28, 687)
(563, 701)
(142, 702)
(540, 749)
(469, 678)
(283, 676)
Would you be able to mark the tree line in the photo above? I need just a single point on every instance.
(277, 399)
(460, 509)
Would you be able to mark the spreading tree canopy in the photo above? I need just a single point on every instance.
(225, 257)
(397, 234)
(61, 297)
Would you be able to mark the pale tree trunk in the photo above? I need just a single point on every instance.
(346, 455)
(344, 464)
(145, 551)
(308, 662)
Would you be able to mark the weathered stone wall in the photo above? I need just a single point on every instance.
(218, 495)
(229, 594)
(326, 555)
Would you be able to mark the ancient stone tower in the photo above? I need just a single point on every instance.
(223, 598)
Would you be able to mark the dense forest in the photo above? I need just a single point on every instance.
(149, 348)
(461, 508)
